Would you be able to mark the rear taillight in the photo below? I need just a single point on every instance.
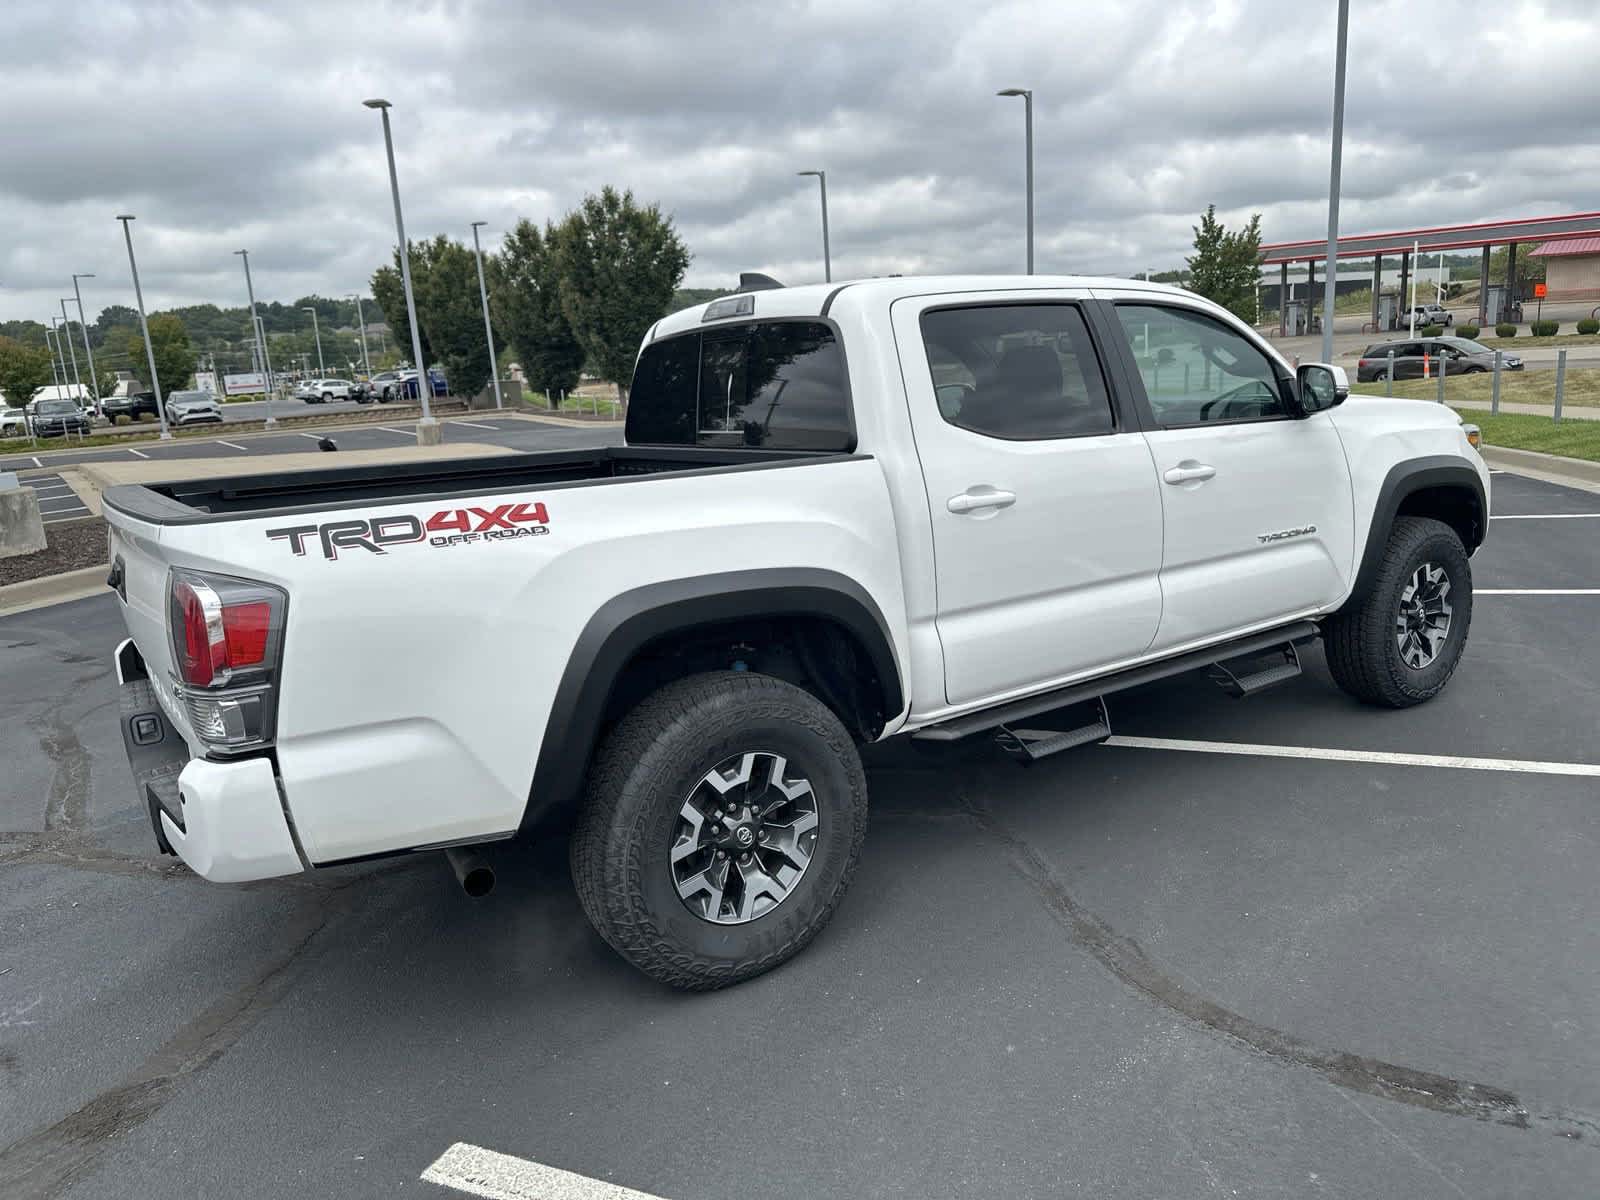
(227, 637)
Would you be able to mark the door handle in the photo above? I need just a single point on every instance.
(981, 497)
(1191, 472)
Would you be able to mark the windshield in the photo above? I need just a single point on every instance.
(1467, 346)
(57, 406)
(189, 397)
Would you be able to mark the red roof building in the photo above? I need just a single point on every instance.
(1571, 268)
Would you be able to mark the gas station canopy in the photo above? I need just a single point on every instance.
(1438, 237)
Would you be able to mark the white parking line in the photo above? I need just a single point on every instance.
(140, 453)
(401, 432)
(1536, 591)
(36, 461)
(1545, 517)
(1526, 766)
(475, 425)
(315, 437)
(232, 445)
(480, 1172)
(69, 501)
(49, 487)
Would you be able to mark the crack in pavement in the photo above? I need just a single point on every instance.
(1127, 961)
(47, 1162)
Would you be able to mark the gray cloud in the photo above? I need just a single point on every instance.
(225, 125)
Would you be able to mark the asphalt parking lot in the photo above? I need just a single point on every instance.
(515, 433)
(1284, 946)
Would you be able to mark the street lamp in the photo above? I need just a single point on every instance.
(1027, 110)
(366, 363)
(83, 324)
(827, 258)
(49, 332)
(1330, 285)
(428, 432)
(66, 323)
(259, 329)
(488, 329)
(144, 325)
(317, 332)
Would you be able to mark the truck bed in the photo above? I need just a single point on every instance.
(238, 497)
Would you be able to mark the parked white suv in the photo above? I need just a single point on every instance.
(937, 508)
(320, 391)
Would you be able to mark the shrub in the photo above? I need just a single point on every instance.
(1589, 325)
(1467, 331)
(1544, 328)
(1505, 329)
(1431, 331)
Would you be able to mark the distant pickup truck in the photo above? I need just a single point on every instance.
(936, 508)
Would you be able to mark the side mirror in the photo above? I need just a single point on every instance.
(1320, 386)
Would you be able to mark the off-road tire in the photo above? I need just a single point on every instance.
(638, 783)
(1362, 653)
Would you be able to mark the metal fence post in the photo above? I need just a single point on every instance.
(1561, 380)
(1388, 387)
(1494, 395)
(1442, 361)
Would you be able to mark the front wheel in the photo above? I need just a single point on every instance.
(1400, 643)
(724, 820)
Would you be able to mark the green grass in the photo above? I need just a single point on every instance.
(1516, 431)
(1560, 339)
(1516, 387)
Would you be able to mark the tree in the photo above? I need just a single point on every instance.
(525, 298)
(174, 355)
(619, 265)
(23, 370)
(388, 289)
(444, 282)
(1226, 266)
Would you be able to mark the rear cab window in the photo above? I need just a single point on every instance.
(779, 385)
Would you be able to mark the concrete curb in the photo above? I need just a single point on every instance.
(1551, 468)
(52, 589)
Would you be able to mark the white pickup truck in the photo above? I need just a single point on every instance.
(931, 507)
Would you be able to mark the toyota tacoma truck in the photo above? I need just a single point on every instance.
(935, 508)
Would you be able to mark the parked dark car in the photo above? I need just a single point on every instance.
(136, 406)
(361, 392)
(1461, 356)
(52, 417)
(408, 383)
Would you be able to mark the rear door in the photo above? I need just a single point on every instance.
(1045, 510)
(1258, 525)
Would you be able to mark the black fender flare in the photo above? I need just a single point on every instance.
(631, 620)
(1403, 480)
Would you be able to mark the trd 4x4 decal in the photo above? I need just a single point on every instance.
(447, 527)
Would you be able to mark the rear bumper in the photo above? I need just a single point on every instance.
(225, 819)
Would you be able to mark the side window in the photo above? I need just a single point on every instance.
(1017, 371)
(1195, 368)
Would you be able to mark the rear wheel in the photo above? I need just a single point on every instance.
(723, 823)
(1399, 645)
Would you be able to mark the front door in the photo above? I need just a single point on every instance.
(1045, 509)
(1258, 527)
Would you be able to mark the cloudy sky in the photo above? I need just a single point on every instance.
(226, 125)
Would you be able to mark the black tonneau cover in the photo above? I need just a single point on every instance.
(240, 497)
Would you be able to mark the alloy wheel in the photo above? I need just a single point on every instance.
(1422, 624)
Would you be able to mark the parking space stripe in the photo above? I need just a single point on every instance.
(1536, 591)
(401, 432)
(1545, 517)
(475, 425)
(36, 461)
(232, 445)
(1526, 766)
(140, 453)
(480, 1172)
(315, 437)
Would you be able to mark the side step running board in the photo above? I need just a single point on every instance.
(1053, 732)
(1241, 677)
(1013, 715)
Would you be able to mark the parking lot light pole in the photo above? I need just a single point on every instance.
(48, 345)
(427, 428)
(83, 324)
(260, 329)
(1330, 285)
(827, 254)
(66, 324)
(1027, 116)
(361, 321)
(488, 329)
(144, 327)
(316, 331)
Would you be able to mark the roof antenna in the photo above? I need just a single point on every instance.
(754, 281)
